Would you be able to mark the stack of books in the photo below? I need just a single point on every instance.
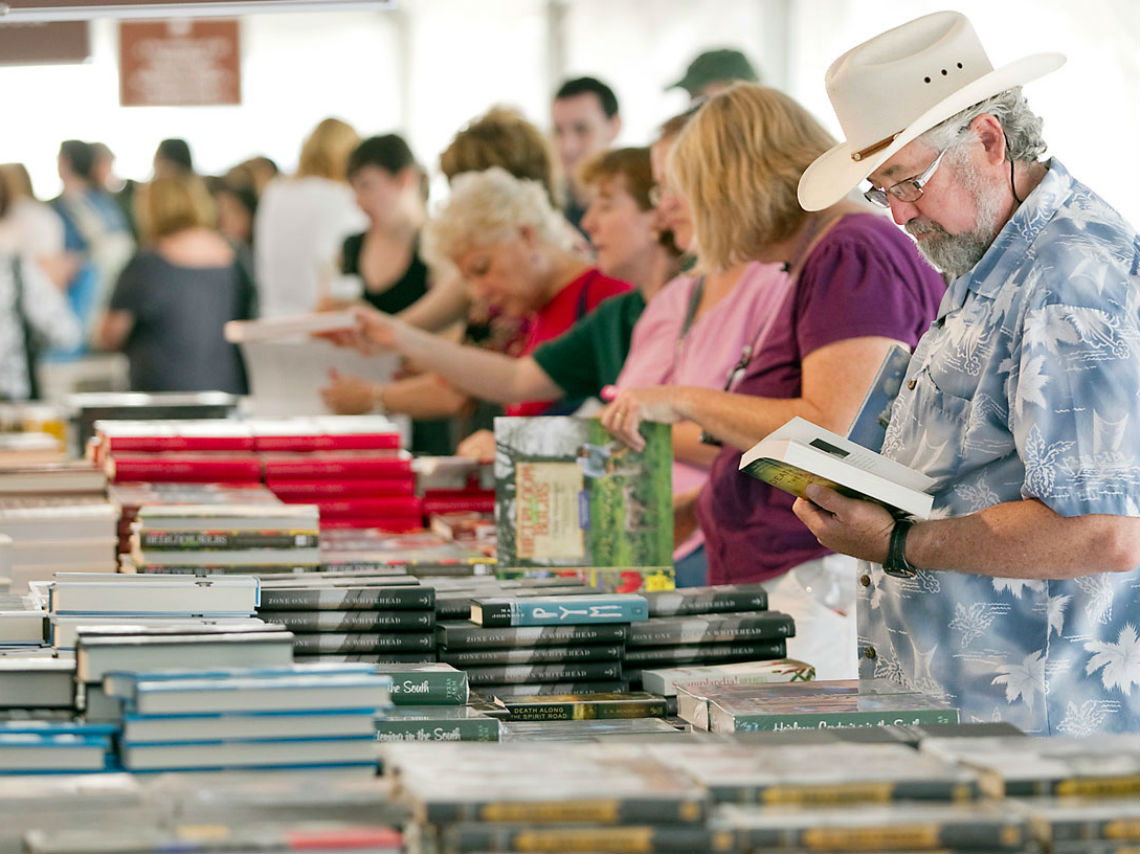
(130, 498)
(431, 704)
(527, 645)
(545, 797)
(454, 595)
(809, 705)
(351, 467)
(58, 518)
(354, 618)
(217, 538)
(284, 717)
(87, 408)
(707, 625)
(55, 747)
(36, 684)
(149, 623)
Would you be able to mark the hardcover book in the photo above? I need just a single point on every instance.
(522, 673)
(666, 681)
(543, 689)
(727, 715)
(559, 611)
(403, 620)
(466, 837)
(646, 657)
(799, 453)
(707, 600)
(869, 427)
(533, 655)
(435, 684)
(568, 494)
(364, 642)
(454, 635)
(436, 723)
(347, 598)
(565, 707)
(714, 628)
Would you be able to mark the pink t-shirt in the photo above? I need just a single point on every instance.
(710, 350)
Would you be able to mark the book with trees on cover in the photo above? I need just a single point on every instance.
(799, 453)
(569, 494)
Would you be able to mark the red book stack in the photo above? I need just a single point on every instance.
(352, 468)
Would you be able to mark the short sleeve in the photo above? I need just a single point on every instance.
(130, 288)
(1075, 393)
(571, 359)
(864, 284)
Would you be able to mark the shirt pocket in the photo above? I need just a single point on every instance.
(938, 426)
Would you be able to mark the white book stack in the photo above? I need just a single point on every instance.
(316, 716)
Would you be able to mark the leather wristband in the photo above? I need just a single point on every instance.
(896, 563)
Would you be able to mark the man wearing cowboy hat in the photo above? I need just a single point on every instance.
(1020, 599)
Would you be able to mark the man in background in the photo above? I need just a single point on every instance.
(586, 121)
(714, 71)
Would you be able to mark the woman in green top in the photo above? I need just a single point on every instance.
(625, 228)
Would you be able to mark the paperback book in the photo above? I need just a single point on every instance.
(799, 453)
(436, 723)
(564, 707)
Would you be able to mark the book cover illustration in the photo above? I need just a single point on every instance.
(869, 427)
(569, 494)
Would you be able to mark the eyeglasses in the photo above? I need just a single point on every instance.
(909, 190)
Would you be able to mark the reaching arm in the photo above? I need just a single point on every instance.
(1015, 539)
(834, 381)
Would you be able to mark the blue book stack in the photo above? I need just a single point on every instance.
(290, 717)
(43, 747)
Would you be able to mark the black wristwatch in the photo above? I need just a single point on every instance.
(896, 563)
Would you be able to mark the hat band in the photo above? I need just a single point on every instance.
(871, 149)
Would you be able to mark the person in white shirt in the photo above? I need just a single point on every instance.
(302, 222)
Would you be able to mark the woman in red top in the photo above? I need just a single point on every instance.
(515, 252)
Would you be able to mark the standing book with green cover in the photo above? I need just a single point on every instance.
(430, 684)
(568, 494)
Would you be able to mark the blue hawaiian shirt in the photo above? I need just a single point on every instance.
(1026, 386)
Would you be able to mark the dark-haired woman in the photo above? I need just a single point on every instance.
(389, 189)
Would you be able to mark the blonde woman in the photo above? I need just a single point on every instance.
(855, 286)
(172, 299)
(303, 220)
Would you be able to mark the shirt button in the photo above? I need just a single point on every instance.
(910, 385)
(869, 652)
(865, 580)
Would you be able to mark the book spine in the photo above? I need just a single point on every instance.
(366, 598)
(539, 689)
(565, 612)
(210, 540)
(315, 490)
(476, 503)
(122, 469)
(366, 468)
(476, 637)
(668, 825)
(471, 729)
(774, 722)
(533, 655)
(354, 621)
(684, 603)
(768, 626)
(587, 670)
(1009, 835)
(389, 525)
(379, 508)
(166, 444)
(428, 688)
(648, 657)
(329, 442)
(588, 710)
(303, 657)
(202, 567)
(364, 642)
(849, 793)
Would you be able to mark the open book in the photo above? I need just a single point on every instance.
(800, 453)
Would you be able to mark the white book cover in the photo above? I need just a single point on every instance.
(64, 629)
(288, 326)
(216, 595)
(800, 452)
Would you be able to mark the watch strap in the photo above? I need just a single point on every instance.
(896, 563)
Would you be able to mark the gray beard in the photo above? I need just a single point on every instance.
(957, 254)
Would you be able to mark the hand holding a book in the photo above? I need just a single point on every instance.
(846, 525)
(623, 417)
(374, 332)
(349, 395)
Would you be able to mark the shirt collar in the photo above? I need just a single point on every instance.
(1009, 248)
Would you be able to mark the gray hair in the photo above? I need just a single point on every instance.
(1021, 125)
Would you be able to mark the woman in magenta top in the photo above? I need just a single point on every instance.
(856, 287)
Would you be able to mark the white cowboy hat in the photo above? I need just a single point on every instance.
(890, 90)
